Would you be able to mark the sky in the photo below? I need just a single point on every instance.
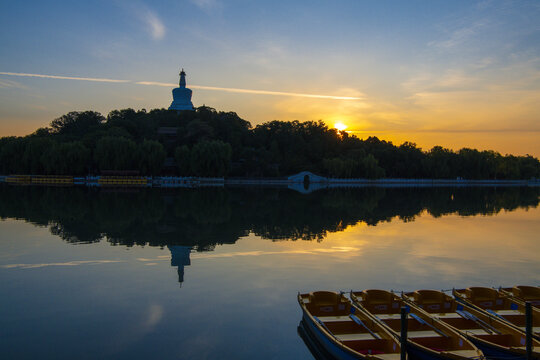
(451, 73)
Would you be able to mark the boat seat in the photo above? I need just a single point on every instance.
(324, 298)
(353, 337)
(508, 312)
(388, 316)
(480, 293)
(391, 356)
(464, 354)
(375, 296)
(428, 297)
(475, 331)
(432, 300)
(527, 292)
(423, 333)
(535, 329)
(334, 318)
(447, 315)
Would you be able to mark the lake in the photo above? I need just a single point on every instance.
(93, 273)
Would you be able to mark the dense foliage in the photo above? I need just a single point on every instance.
(206, 142)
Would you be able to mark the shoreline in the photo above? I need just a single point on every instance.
(295, 182)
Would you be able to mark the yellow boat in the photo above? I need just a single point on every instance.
(524, 294)
(499, 305)
(343, 331)
(427, 337)
(494, 337)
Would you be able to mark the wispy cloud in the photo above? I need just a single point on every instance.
(206, 4)
(335, 249)
(10, 84)
(155, 25)
(69, 263)
(63, 77)
(461, 35)
(202, 87)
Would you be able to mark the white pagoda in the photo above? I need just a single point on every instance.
(182, 96)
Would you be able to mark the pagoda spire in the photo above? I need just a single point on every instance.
(182, 78)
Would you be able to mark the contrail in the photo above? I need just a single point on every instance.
(251, 91)
(202, 87)
(64, 77)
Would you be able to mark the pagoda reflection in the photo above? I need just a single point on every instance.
(180, 259)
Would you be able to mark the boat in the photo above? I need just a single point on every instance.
(524, 294)
(343, 331)
(499, 305)
(314, 347)
(494, 337)
(426, 338)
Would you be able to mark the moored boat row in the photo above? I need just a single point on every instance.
(504, 305)
(369, 325)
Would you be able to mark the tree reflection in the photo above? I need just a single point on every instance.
(186, 220)
(204, 218)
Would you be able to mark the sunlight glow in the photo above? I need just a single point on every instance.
(340, 126)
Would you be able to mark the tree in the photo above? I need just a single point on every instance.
(76, 157)
(211, 158)
(151, 157)
(182, 155)
(371, 167)
(34, 149)
(12, 148)
(115, 153)
(77, 123)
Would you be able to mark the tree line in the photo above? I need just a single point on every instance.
(206, 142)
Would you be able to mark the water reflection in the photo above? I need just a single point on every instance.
(187, 221)
(180, 258)
(204, 218)
(238, 300)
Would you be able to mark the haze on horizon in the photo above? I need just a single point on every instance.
(456, 74)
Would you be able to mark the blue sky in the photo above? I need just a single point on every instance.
(455, 73)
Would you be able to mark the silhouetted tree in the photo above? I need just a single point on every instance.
(275, 148)
(151, 156)
(210, 158)
(76, 124)
(115, 153)
(182, 155)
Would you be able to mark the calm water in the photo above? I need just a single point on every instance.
(213, 274)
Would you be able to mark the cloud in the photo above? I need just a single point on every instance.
(202, 87)
(205, 4)
(460, 35)
(334, 249)
(443, 81)
(155, 25)
(63, 77)
(10, 84)
(143, 13)
(69, 263)
(153, 316)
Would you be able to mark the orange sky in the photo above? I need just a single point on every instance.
(456, 74)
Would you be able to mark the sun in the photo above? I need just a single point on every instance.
(340, 126)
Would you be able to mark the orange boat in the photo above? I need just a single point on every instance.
(496, 338)
(500, 305)
(524, 294)
(427, 338)
(343, 331)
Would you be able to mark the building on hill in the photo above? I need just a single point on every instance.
(182, 96)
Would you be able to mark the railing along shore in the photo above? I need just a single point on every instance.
(293, 181)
